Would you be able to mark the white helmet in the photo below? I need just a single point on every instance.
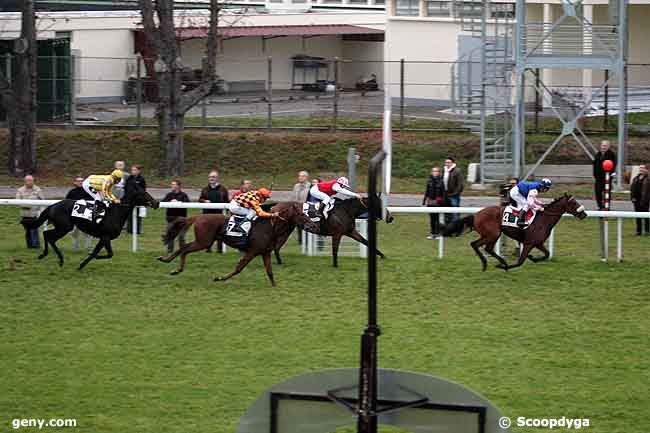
(343, 181)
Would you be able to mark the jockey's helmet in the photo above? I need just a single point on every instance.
(263, 193)
(343, 181)
(117, 174)
(546, 183)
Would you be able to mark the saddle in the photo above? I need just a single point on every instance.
(511, 215)
(83, 209)
(312, 211)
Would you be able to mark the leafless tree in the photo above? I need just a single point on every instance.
(174, 103)
(18, 96)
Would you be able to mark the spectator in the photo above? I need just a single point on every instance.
(176, 195)
(453, 183)
(135, 180)
(640, 194)
(311, 199)
(300, 193)
(244, 186)
(434, 196)
(78, 193)
(301, 189)
(599, 174)
(28, 214)
(214, 193)
(118, 190)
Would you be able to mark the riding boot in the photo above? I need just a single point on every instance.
(521, 222)
(326, 208)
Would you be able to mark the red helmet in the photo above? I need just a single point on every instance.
(263, 193)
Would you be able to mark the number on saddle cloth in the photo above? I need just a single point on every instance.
(238, 226)
(83, 209)
(311, 210)
(511, 216)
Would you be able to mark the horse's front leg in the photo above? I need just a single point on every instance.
(522, 258)
(109, 251)
(542, 248)
(92, 255)
(268, 267)
(354, 234)
(245, 260)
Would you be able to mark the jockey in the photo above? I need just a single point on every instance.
(324, 191)
(525, 195)
(100, 187)
(248, 204)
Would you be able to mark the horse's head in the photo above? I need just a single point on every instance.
(140, 197)
(378, 208)
(291, 212)
(574, 208)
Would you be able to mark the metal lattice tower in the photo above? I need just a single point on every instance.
(570, 42)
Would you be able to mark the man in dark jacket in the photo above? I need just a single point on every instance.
(176, 195)
(135, 179)
(434, 196)
(78, 193)
(214, 193)
(454, 185)
(599, 174)
(640, 193)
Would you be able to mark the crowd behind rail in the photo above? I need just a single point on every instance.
(444, 188)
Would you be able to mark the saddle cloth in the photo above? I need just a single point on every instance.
(311, 210)
(511, 214)
(238, 226)
(83, 209)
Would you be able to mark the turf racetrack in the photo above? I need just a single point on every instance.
(123, 347)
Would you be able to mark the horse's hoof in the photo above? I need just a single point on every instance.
(217, 279)
(174, 272)
(160, 258)
(41, 257)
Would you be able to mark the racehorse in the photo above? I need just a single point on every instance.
(341, 222)
(110, 227)
(487, 224)
(262, 239)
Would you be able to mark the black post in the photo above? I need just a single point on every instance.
(367, 419)
(606, 114)
(537, 100)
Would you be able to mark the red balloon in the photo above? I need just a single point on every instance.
(608, 165)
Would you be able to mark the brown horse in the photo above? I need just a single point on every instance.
(487, 224)
(262, 239)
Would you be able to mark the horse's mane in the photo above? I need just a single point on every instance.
(565, 196)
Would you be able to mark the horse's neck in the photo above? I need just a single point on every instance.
(123, 212)
(352, 207)
(553, 214)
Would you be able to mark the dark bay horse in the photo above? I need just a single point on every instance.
(341, 222)
(487, 224)
(110, 227)
(262, 239)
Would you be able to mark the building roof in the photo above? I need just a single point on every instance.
(277, 31)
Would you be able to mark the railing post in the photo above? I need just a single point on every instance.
(551, 244)
(269, 94)
(336, 94)
(134, 230)
(138, 91)
(441, 239)
(401, 94)
(619, 239)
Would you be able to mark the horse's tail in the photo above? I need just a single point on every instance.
(457, 227)
(176, 227)
(44, 216)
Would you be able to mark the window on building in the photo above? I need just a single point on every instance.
(407, 8)
(438, 8)
(502, 10)
(380, 2)
(358, 2)
(469, 9)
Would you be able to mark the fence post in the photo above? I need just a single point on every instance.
(134, 230)
(73, 101)
(551, 244)
(441, 238)
(363, 229)
(619, 239)
(336, 93)
(604, 235)
(269, 94)
(138, 91)
(497, 247)
(401, 94)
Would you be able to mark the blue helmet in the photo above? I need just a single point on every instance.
(546, 183)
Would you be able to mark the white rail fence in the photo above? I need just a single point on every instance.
(604, 215)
